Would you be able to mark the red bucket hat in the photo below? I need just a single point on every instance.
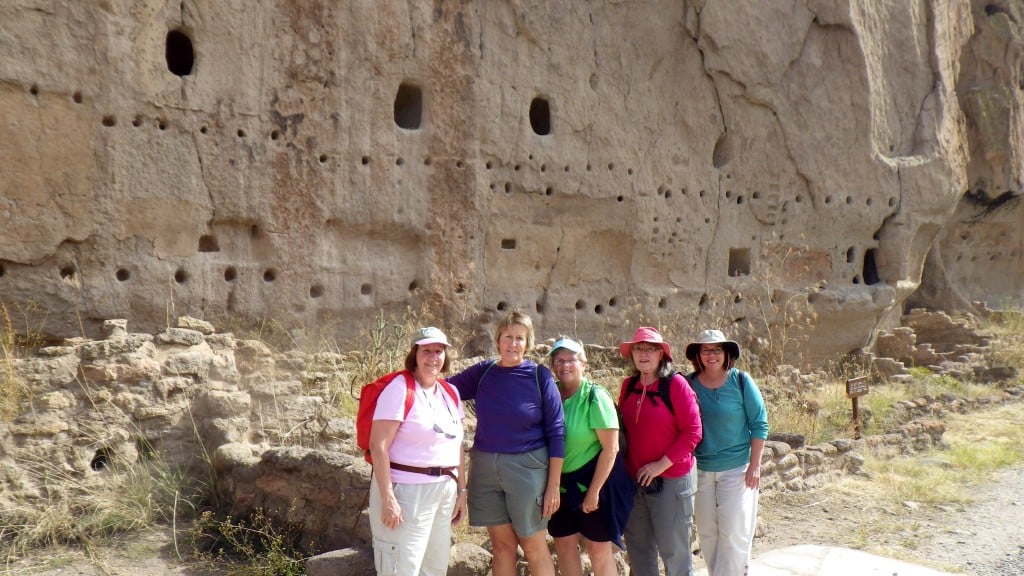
(649, 335)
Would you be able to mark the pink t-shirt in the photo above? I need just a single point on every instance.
(417, 442)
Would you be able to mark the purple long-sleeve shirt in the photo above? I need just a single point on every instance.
(518, 409)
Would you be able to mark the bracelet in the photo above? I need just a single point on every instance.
(463, 490)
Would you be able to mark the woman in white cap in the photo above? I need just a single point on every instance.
(597, 492)
(729, 458)
(662, 423)
(419, 488)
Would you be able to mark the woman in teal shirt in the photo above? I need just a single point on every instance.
(597, 492)
(735, 425)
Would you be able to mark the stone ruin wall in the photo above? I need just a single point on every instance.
(592, 163)
(268, 425)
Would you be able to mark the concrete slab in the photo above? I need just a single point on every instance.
(811, 560)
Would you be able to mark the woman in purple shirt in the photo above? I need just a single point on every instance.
(517, 454)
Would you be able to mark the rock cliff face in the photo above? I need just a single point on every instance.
(592, 163)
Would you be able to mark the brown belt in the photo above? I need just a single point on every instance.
(431, 471)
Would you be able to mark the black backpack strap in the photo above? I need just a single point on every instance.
(665, 391)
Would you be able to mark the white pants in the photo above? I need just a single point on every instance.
(725, 511)
(420, 544)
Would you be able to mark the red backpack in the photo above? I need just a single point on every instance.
(368, 404)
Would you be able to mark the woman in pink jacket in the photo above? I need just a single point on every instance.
(662, 425)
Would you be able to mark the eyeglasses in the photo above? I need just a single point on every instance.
(566, 361)
(645, 349)
(711, 351)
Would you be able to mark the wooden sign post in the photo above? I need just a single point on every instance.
(855, 388)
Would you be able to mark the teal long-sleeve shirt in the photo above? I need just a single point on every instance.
(731, 416)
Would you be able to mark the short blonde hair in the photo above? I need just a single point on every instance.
(514, 317)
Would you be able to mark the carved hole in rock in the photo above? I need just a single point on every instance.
(701, 194)
(828, 199)
(668, 194)
(409, 106)
(460, 288)
(849, 199)
(867, 202)
(662, 303)
(856, 279)
(539, 306)
(598, 309)
(993, 9)
(566, 167)
(737, 299)
(850, 254)
(543, 167)
(203, 129)
(2, 270)
(365, 160)
(728, 194)
(870, 271)
(76, 97)
(502, 305)
(488, 165)
(366, 289)
(414, 286)
(703, 300)
(707, 220)
(799, 198)
(180, 276)
(269, 275)
(739, 261)
(122, 275)
(613, 302)
(580, 304)
(67, 272)
(892, 202)
(136, 121)
(549, 191)
(508, 243)
(161, 124)
(629, 171)
(399, 161)
(241, 133)
(459, 164)
(739, 199)
(611, 166)
(254, 231)
(620, 199)
(589, 167)
(275, 134)
(316, 291)
(34, 90)
(427, 161)
(109, 121)
(179, 53)
(540, 116)
(208, 243)
(322, 158)
(230, 273)
(101, 460)
(517, 167)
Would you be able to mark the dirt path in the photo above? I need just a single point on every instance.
(985, 538)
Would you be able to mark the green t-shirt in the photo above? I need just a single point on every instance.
(590, 408)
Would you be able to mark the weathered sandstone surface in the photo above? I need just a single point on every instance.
(593, 163)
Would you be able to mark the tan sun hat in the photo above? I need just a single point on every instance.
(712, 337)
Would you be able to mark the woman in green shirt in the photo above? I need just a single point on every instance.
(597, 492)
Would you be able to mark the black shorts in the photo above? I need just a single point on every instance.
(593, 526)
